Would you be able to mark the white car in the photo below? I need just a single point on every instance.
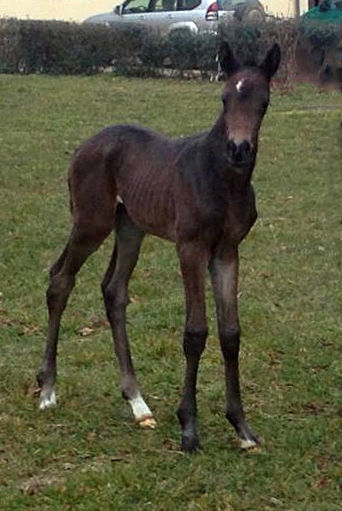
(168, 15)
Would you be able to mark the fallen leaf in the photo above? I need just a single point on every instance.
(31, 488)
(311, 408)
(322, 483)
(29, 330)
(33, 391)
(99, 323)
(86, 331)
(91, 436)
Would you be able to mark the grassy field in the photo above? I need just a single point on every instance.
(87, 454)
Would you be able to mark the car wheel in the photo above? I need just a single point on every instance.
(250, 13)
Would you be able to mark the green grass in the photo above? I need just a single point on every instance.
(87, 454)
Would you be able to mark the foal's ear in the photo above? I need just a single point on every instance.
(271, 63)
(227, 60)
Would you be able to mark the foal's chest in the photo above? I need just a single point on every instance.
(240, 216)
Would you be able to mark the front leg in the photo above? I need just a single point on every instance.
(193, 263)
(224, 276)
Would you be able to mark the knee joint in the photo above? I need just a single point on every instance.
(113, 299)
(59, 288)
(194, 341)
(230, 343)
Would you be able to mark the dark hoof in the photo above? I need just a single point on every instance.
(190, 444)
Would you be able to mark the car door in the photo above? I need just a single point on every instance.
(190, 14)
(160, 15)
(134, 11)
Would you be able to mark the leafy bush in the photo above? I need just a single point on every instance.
(56, 47)
(320, 33)
(126, 44)
(206, 51)
(154, 50)
(9, 45)
(68, 48)
(182, 49)
(62, 48)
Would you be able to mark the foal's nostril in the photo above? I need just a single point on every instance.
(239, 153)
(231, 149)
(245, 150)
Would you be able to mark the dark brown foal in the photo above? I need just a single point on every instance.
(195, 192)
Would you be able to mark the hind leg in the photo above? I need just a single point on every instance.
(115, 293)
(82, 243)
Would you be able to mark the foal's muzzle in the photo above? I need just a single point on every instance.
(239, 154)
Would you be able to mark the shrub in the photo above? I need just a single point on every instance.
(181, 46)
(52, 47)
(56, 47)
(9, 46)
(154, 51)
(126, 45)
(320, 33)
(68, 48)
(206, 51)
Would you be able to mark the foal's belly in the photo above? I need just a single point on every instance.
(149, 201)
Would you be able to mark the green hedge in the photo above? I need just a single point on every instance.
(321, 33)
(68, 48)
(55, 47)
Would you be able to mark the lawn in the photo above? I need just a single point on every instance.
(87, 454)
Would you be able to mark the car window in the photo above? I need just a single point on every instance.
(165, 5)
(225, 4)
(135, 6)
(187, 5)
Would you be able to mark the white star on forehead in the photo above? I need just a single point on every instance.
(239, 85)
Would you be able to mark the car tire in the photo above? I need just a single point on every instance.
(251, 14)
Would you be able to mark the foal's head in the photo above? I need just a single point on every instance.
(245, 101)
